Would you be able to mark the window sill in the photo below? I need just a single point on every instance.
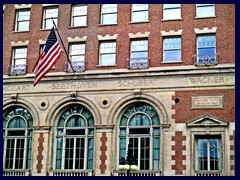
(178, 19)
(112, 65)
(74, 27)
(171, 62)
(46, 29)
(20, 32)
(113, 24)
(138, 22)
(207, 17)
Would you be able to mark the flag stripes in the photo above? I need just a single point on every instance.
(48, 58)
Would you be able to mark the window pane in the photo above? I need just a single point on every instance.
(108, 59)
(140, 16)
(80, 21)
(79, 10)
(109, 19)
(139, 7)
(109, 8)
(205, 11)
(139, 54)
(171, 56)
(172, 6)
(172, 13)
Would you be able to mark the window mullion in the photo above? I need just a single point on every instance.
(74, 152)
(208, 155)
(63, 152)
(14, 152)
(85, 156)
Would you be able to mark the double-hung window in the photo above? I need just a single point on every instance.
(208, 153)
(19, 61)
(108, 13)
(17, 136)
(22, 20)
(77, 56)
(139, 12)
(107, 55)
(205, 10)
(79, 15)
(171, 11)
(172, 49)
(74, 141)
(206, 49)
(50, 13)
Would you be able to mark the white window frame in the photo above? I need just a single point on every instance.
(107, 45)
(172, 49)
(45, 19)
(135, 10)
(170, 9)
(201, 6)
(110, 13)
(17, 27)
(82, 15)
(79, 52)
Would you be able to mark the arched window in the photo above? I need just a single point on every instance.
(74, 139)
(17, 136)
(140, 136)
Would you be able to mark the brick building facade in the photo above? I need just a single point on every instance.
(154, 81)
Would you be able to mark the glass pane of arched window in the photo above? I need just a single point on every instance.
(76, 121)
(17, 122)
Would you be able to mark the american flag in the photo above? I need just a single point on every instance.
(48, 57)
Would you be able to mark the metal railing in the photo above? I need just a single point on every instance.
(138, 63)
(17, 69)
(137, 173)
(205, 59)
(208, 173)
(78, 66)
(71, 173)
(15, 172)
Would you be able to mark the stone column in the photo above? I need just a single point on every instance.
(103, 150)
(40, 150)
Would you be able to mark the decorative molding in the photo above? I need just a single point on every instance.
(22, 6)
(172, 33)
(19, 43)
(107, 37)
(139, 35)
(207, 102)
(205, 30)
(41, 42)
(104, 127)
(77, 39)
(44, 5)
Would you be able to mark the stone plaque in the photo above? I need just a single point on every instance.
(206, 102)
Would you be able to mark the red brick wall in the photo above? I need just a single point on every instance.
(40, 153)
(103, 156)
(232, 147)
(224, 21)
(183, 111)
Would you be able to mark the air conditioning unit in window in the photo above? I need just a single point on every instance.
(78, 66)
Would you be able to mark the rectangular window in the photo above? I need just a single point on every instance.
(139, 48)
(19, 61)
(206, 49)
(49, 13)
(79, 15)
(172, 49)
(77, 57)
(205, 10)
(139, 12)
(208, 153)
(109, 14)
(22, 20)
(107, 53)
(172, 11)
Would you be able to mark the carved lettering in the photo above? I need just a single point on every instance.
(16, 88)
(207, 80)
(73, 85)
(141, 82)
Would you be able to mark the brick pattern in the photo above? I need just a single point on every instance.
(103, 156)
(179, 157)
(183, 111)
(40, 153)
(224, 21)
(232, 148)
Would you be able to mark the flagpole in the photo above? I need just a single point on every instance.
(63, 45)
